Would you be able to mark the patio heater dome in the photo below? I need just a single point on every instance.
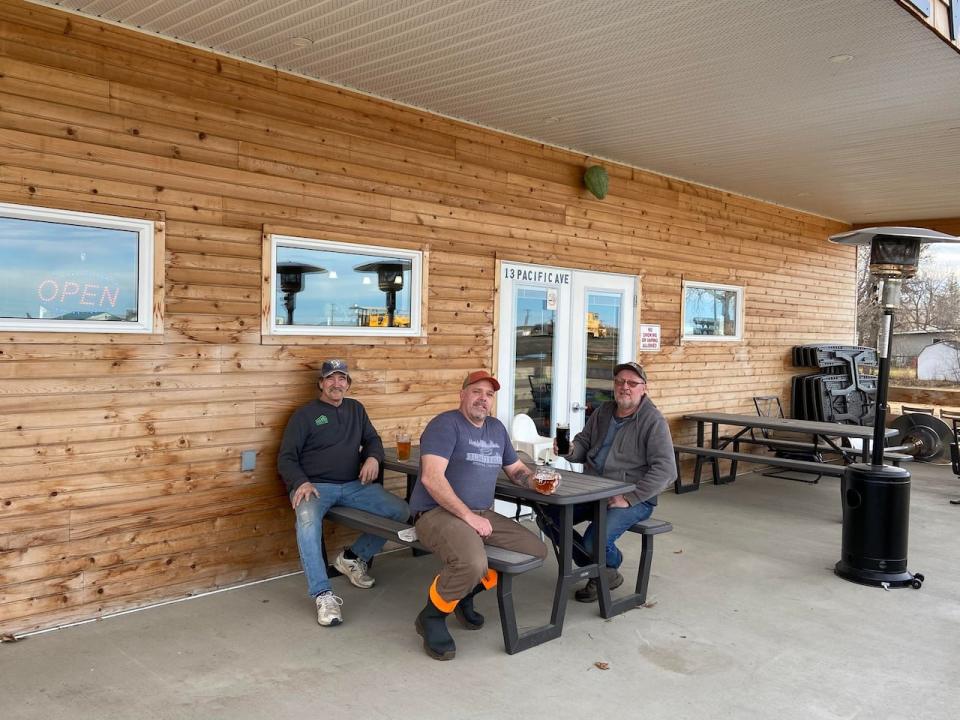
(876, 497)
(389, 280)
(290, 279)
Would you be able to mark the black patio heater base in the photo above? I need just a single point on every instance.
(876, 516)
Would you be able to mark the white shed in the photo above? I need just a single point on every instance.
(939, 361)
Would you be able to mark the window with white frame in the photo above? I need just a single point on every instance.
(320, 287)
(65, 271)
(712, 312)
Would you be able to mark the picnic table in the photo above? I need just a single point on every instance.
(814, 436)
(575, 488)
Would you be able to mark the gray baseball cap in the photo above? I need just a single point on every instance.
(633, 367)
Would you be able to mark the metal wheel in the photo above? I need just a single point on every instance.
(923, 436)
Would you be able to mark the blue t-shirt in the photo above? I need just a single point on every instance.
(474, 458)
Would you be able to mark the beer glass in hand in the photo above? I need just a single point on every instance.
(403, 446)
(563, 439)
(546, 480)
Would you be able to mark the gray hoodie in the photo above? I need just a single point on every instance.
(642, 451)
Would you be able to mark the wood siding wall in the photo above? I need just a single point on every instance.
(120, 478)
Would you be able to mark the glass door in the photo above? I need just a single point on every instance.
(602, 336)
(560, 334)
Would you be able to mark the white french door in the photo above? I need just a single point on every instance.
(560, 334)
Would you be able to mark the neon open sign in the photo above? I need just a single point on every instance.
(88, 294)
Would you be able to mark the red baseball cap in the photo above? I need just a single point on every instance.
(477, 376)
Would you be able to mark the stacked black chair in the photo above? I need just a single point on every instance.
(845, 389)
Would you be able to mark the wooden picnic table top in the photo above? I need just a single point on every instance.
(809, 427)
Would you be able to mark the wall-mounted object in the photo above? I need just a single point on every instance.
(597, 181)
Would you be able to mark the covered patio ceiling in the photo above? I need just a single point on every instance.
(848, 109)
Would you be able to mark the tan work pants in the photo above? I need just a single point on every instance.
(461, 550)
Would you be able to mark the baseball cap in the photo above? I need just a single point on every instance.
(477, 376)
(632, 366)
(330, 367)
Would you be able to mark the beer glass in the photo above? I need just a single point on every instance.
(563, 438)
(403, 446)
(546, 479)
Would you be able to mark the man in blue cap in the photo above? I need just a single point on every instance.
(330, 455)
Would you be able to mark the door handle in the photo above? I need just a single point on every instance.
(577, 407)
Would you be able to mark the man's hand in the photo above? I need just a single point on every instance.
(617, 501)
(480, 524)
(369, 471)
(302, 493)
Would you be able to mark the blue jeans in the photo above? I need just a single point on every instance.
(619, 520)
(372, 498)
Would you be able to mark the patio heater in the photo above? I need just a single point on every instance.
(290, 275)
(389, 280)
(876, 497)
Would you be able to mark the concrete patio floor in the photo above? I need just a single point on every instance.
(746, 620)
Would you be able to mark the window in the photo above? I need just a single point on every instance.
(712, 312)
(65, 271)
(319, 287)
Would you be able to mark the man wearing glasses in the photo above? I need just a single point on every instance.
(624, 439)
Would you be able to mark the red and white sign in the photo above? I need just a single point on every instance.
(649, 338)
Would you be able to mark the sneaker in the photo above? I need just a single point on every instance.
(355, 570)
(589, 592)
(328, 609)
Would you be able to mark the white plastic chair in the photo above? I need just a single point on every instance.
(526, 439)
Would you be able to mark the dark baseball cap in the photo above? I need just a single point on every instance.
(330, 367)
(633, 367)
(477, 376)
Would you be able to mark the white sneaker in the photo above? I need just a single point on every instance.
(355, 570)
(328, 609)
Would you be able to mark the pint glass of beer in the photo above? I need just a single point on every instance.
(563, 438)
(403, 446)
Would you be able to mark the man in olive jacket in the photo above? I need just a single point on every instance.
(624, 439)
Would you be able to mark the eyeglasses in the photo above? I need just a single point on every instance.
(629, 383)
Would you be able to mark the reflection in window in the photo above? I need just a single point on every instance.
(712, 312)
(603, 339)
(334, 288)
(533, 360)
(75, 272)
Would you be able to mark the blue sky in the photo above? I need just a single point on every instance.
(328, 300)
(65, 268)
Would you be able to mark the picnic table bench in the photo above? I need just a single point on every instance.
(507, 563)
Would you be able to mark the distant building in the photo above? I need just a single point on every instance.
(939, 361)
(908, 344)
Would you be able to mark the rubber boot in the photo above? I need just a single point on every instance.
(431, 625)
(468, 617)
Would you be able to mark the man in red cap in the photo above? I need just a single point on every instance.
(461, 453)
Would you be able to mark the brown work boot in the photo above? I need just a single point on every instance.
(589, 592)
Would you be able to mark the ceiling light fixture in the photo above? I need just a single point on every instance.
(840, 59)
(301, 42)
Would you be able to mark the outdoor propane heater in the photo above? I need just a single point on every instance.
(876, 497)
(291, 282)
(389, 280)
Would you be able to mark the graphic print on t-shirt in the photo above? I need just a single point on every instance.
(486, 453)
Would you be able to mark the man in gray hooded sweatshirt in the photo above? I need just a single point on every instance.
(624, 439)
